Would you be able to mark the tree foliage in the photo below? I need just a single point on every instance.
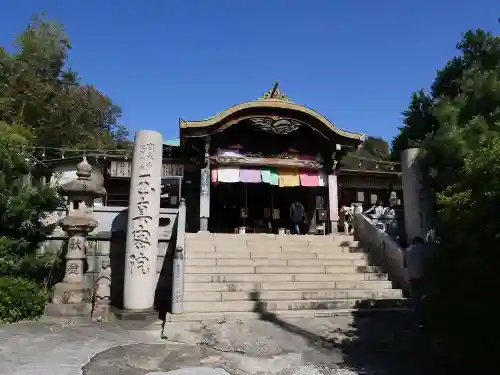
(372, 150)
(22, 205)
(37, 91)
(467, 81)
(42, 103)
(458, 127)
(462, 274)
(377, 147)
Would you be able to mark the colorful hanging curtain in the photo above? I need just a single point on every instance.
(308, 177)
(228, 174)
(289, 177)
(270, 176)
(251, 176)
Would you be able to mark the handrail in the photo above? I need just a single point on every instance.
(178, 273)
(382, 247)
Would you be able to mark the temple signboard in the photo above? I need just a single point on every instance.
(123, 169)
(365, 182)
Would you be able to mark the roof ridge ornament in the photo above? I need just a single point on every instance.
(275, 94)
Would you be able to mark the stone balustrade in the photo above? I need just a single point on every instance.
(384, 249)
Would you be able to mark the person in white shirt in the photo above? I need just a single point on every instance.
(376, 210)
(414, 258)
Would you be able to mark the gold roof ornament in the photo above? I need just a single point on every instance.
(275, 94)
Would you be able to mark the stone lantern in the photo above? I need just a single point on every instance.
(72, 297)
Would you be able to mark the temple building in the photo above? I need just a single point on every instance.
(241, 169)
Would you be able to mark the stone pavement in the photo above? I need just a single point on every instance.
(376, 344)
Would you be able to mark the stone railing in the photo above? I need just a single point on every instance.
(179, 256)
(106, 251)
(382, 249)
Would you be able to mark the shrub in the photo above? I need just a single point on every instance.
(21, 299)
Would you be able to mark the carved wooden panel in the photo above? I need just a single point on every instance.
(262, 161)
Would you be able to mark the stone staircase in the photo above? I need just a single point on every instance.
(295, 276)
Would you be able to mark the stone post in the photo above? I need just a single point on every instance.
(72, 297)
(333, 201)
(205, 189)
(143, 221)
(179, 255)
(416, 203)
(102, 294)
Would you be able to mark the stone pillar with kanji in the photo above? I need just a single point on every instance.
(72, 297)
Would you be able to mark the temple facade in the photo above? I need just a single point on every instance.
(240, 170)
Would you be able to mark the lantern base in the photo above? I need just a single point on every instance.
(70, 300)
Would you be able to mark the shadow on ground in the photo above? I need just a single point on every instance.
(377, 343)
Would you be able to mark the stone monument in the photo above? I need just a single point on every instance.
(72, 297)
(143, 221)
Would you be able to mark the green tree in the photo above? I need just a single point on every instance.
(377, 147)
(479, 53)
(458, 127)
(22, 206)
(462, 274)
(37, 92)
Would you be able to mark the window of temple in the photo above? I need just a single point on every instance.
(360, 196)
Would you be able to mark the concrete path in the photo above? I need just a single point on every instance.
(371, 345)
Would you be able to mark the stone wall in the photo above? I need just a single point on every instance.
(106, 245)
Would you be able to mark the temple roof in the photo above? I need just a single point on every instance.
(272, 102)
(275, 93)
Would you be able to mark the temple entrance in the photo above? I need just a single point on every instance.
(260, 207)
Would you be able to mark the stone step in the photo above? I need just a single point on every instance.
(291, 285)
(227, 306)
(268, 237)
(273, 278)
(220, 317)
(293, 295)
(271, 248)
(269, 240)
(217, 270)
(274, 262)
(272, 255)
(296, 252)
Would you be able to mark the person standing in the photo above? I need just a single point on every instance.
(346, 217)
(297, 215)
(414, 258)
(376, 210)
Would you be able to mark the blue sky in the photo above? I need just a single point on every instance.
(356, 61)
